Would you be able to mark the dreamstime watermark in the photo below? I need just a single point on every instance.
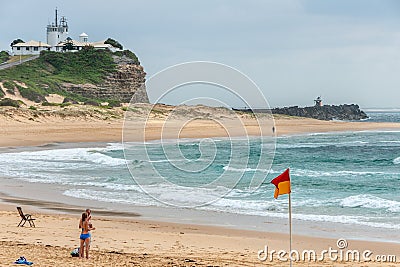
(205, 172)
(339, 254)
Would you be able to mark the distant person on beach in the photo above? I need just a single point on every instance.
(85, 236)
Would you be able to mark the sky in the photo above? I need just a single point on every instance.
(346, 51)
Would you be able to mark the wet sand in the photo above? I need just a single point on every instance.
(131, 241)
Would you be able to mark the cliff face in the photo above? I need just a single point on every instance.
(123, 84)
(326, 112)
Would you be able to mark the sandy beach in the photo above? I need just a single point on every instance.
(126, 239)
(33, 128)
(129, 241)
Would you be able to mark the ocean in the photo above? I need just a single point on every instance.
(346, 178)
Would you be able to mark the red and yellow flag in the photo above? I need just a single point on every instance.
(282, 183)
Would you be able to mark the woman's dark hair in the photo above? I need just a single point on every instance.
(84, 216)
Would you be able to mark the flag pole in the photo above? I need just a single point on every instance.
(290, 230)
(282, 187)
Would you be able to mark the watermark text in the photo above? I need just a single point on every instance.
(339, 254)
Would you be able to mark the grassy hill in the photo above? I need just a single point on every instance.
(43, 75)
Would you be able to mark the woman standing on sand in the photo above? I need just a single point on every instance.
(85, 236)
(89, 218)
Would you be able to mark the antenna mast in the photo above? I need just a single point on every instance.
(56, 17)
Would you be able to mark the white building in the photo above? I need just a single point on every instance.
(75, 45)
(57, 38)
(83, 42)
(83, 38)
(101, 45)
(29, 48)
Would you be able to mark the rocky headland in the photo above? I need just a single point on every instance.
(351, 112)
(125, 82)
(344, 112)
(89, 76)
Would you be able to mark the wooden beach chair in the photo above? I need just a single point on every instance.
(25, 218)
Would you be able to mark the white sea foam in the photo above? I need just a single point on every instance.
(382, 110)
(316, 134)
(100, 158)
(396, 160)
(370, 202)
(245, 206)
(312, 202)
(111, 197)
(117, 187)
(185, 196)
(305, 172)
(324, 144)
(384, 131)
(274, 209)
(232, 169)
(66, 156)
(358, 220)
(114, 146)
(313, 173)
(167, 160)
(390, 141)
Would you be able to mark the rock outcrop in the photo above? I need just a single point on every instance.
(327, 112)
(126, 83)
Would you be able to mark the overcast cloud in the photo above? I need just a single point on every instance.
(345, 51)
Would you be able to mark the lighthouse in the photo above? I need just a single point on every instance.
(57, 31)
(318, 102)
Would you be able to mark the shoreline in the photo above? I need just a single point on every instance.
(49, 198)
(42, 145)
(29, 134)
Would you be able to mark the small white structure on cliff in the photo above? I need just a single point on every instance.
(83, 38)
(83, 41)
(29, 48)
(58, 40)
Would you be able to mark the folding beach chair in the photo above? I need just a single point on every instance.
(25, 218)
